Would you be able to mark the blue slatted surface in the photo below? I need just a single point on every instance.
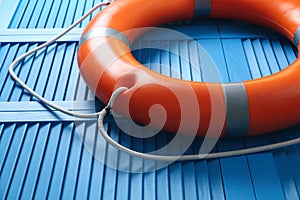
(41, 151)
(50, 14)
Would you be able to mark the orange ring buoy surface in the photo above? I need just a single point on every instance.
(248, 108)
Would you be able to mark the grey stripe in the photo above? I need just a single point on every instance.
(237, 111)
(202, 8)
(102, 32)
(297, 37)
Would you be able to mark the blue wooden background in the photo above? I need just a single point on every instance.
(42, 156)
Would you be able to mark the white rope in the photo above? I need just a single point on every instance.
(112, 99)
(120, 147)
(31, 91)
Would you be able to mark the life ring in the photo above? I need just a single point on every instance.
(251, 107)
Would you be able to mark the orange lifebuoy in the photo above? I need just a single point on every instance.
(250, 107)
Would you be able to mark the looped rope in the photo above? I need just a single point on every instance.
(120, 147)
(31, 91)
(115, 94)
(107, 109)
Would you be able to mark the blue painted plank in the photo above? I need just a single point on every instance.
(44, 16)
(294, 157)
(189, 179)
(235, 172)
(123, 181)
(58, 170)
(111, 158)
(55, 69)
(9, 58)
(151, 57)
(24, 160)
(36, 14)
(149, 179)
(184, 60)
(28, 14)
(236, 60)
(250, 54)
(84, 172)
(162, 175)
(123, 185)
(261, 58)
(63, 78)
(44, 116)
(98, 173)
(280, 55)
(8, 83)
(202, 180)
(136, 189)
(16, 91)
(136, 179)
(165, 59)
(1, 131)
(215, 179)
(13, 153)
(90, 95)
(52, 15)
(7, 10)
(70, 179)
(81, 88)
(237, 179)
(4, 48)
(289, 51)
(18, 13)
(214, 50)
(265, 179)
(62, 14)
(34, 168)
(38, 106)
(32, 77)
(37, 35)
(6, 140)
(175, 71)
(286, 176)
(266, 182)
(269, 53)
(283, 170)
(162, 184)
(195, 67)
(149, 185)
(176, 181)
(45, 70)
(73, 79)
(70, 13)
(97, 181)
(46, 171)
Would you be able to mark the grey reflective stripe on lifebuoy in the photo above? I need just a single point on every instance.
(297, 37)
(202, 8)
(237, 110)
(104, 32)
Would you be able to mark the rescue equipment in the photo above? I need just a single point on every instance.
(251, 107)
